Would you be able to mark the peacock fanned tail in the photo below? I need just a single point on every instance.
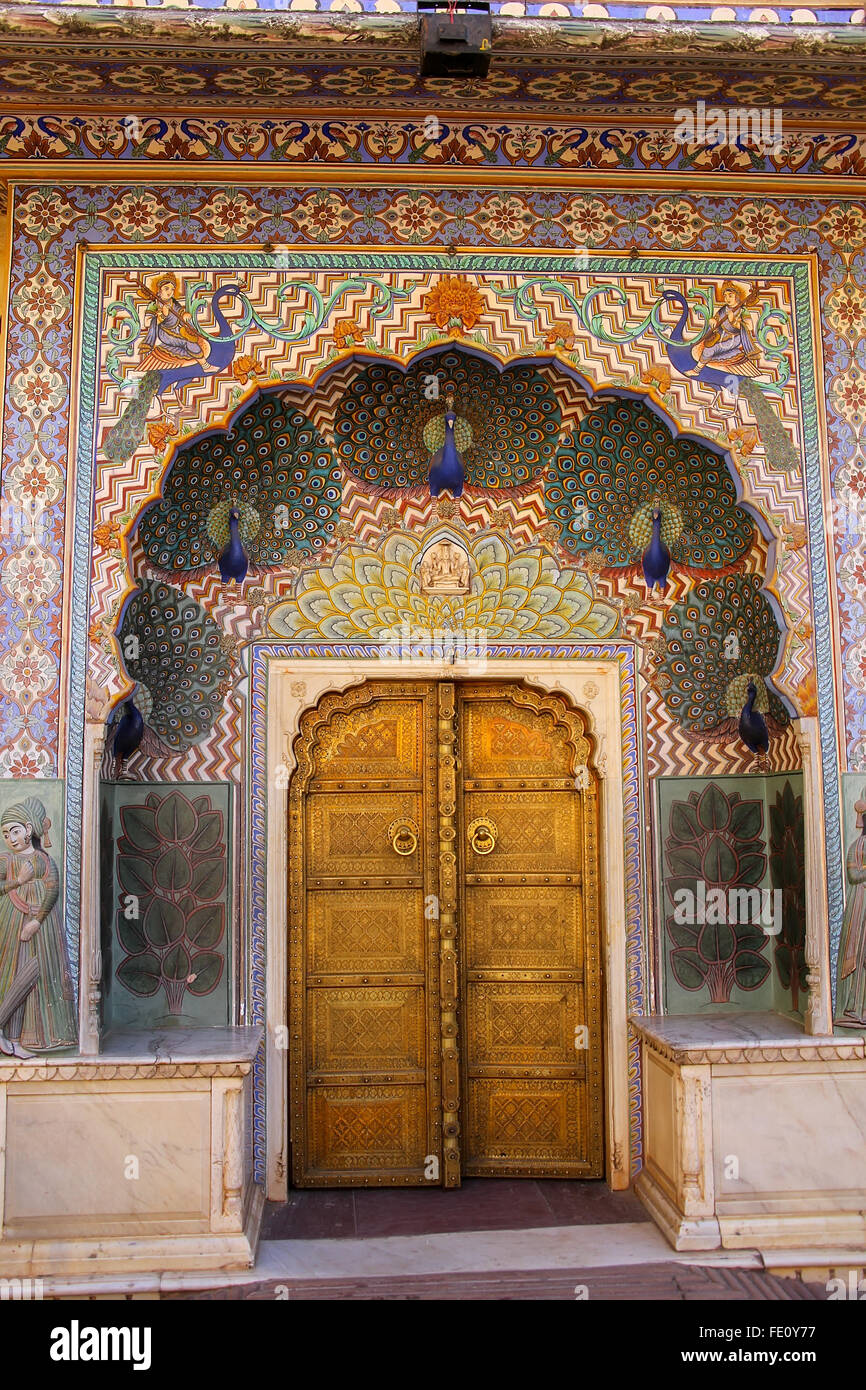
(602, 485)
(122, 440)
(273, 466)
(181, 662)
(722, 633)
(389, 423)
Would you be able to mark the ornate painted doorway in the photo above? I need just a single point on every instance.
(444, 962)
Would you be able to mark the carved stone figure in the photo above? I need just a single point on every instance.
(444, 569)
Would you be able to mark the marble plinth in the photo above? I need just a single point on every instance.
(755, 1133)
(134, 1160)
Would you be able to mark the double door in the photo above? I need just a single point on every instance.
(444, 976)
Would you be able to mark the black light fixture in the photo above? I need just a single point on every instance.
(455, 38)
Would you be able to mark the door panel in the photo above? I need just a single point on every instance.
(444, 953)
(364, 1002)
(348, 834)
(538, 834)
(529, 945)
(381, 933)
(512, 930)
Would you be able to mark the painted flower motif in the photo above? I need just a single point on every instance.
(34, 480)
(41, 302)
(138, 214)
(505, 218)
(846, 311)
(523, 143)
(103, 135)
(388, 139)
(414, 217)
(27, 672)
(24, 763)
(246, 138)
(37, 389)
(848, 396)
(454, 299)
(41, 213)
(107, 535)
(760, 225)
(230, 215)
(347, 331)
(99, 635)
(679, 225)
(245, 367)
(844, 226)
(31, 576)
(855, 482)
(323, 216)
(589, 221)
(159, 432)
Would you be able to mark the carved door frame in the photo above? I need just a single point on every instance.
(592, 687)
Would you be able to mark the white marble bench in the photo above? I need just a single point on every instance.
(135, 1160)
(754, 1133)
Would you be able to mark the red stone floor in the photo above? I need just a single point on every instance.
(481, 1204)
(491, 1205)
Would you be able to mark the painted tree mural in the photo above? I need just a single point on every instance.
(715, 842)
(788, 874)
(171, 867)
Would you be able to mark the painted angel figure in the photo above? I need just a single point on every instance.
(171, 340)
(727, 339)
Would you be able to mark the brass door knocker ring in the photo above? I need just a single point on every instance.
(482, 834)
(403, 835)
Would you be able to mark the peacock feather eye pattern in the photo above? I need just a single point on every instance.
(180, 662)
(273, 465)
(622, 459)
(388, 422)
(723, 634)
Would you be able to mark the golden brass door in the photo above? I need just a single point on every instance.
(443, 912)
(531, 1017)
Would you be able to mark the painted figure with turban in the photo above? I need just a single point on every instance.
(37, 1002)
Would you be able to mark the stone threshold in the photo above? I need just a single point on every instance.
(392, 1257)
